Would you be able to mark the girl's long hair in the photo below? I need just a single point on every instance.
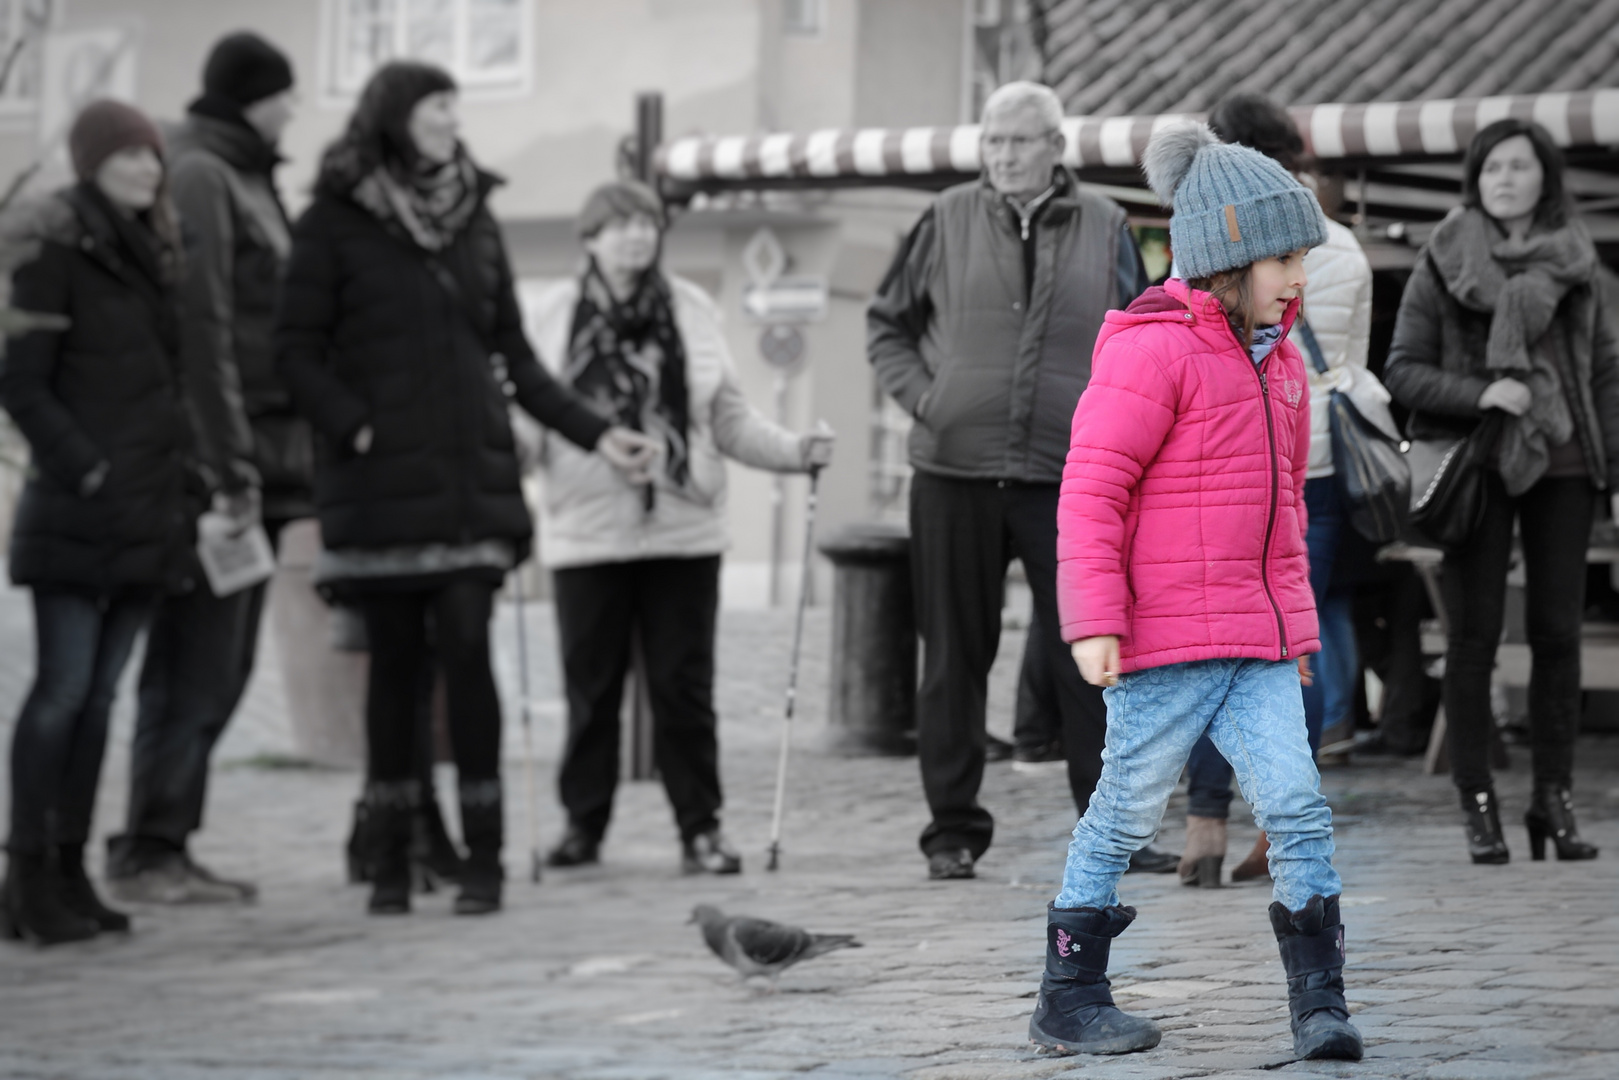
(378, 132)
(1234, 290)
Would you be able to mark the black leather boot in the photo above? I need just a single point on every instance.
(1483, 824)
(1074, 1013)
(1551, 813)
(1312, 947)
(389, 822)
(33, 905)
(79, 896)
(483, 827)
(433, 852)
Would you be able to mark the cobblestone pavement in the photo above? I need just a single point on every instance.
(1457, 972)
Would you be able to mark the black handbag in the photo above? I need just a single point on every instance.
(1374, 479)
(1447, 481)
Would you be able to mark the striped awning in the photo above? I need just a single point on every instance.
(1584, 118)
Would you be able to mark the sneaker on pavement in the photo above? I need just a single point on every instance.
(709, 853)
(171, 882)
(247, 892)
(950, 864)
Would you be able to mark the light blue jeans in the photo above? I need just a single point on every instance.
(1253, 712)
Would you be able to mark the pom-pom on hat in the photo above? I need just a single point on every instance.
(1232, 205)
(104, 128)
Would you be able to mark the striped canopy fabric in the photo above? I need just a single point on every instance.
(1382, 129)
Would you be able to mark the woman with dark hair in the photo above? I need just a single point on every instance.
(1503, 316)
(400, 338)
(101, 529)
(643, 557)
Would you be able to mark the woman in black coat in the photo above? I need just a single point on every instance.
(1503, 317)
(101, 528)
(400, 337)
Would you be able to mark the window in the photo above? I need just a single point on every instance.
(1000, 48)
(803, 18)
(22, 26)
(483, 43)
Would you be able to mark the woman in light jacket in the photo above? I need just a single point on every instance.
(1338, 315)
(643, 554)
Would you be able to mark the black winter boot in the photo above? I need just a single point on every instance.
(389, 821)
(483, 828)
(33, 905)
(432, 851)
(1312, 945)
(1074, 1013)
(79, 896)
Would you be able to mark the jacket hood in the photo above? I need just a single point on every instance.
(1176, 301)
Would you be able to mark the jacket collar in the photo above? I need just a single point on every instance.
(1062, 199)
(218, 126)
(1176, 301)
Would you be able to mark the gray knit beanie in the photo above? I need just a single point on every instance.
(1232, 205)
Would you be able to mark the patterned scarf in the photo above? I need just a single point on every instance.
(626, 358)
(431, 206)
(1520, 283)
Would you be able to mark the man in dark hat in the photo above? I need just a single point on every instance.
(200, 650)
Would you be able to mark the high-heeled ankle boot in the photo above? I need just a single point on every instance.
(1483, 826)
(1204, 851)
(1312, 945)
(79, 896)
(390, 817)
(1551, 813)
(1074, 1013)
(483, 829)
(32, 902)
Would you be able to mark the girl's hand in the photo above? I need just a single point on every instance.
(1098, 660)
(1306, 676)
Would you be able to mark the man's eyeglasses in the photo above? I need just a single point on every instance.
(1016, 143)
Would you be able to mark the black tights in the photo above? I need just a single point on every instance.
(1554, 519)
(398, 625)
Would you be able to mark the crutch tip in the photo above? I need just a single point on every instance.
(535, 862)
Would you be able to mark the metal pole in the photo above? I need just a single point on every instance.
(648, 135)
(792, 675)
(778, 505)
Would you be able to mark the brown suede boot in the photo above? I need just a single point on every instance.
(1204, 851)
(1256, 865)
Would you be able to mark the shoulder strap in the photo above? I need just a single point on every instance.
(1316, 357)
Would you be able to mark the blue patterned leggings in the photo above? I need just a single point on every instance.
(1253, 711)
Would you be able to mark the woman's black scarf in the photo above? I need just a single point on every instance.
(430, 205)
(627, 359)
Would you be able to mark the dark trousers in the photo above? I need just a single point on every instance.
(199, 657)
(1036, 718)
(408, 632)
(964, 533)
(1208, 775)
(82, 642)
(1554, 521)
(674, 606)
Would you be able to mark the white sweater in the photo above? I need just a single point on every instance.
(589, 513)
(1338, 304)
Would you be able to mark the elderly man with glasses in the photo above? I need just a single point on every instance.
(983, 331)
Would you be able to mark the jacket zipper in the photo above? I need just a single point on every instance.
(1275, 494)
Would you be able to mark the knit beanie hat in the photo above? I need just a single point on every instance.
(1232, 205)
(244, 68)
(616, 200)
(103, 129)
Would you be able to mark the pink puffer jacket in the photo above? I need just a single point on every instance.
(1181, 523)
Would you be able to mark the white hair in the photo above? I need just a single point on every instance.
(1027, 95)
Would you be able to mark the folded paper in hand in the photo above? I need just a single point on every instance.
(233, 558)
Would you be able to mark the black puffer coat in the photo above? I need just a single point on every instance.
(369, 332)
(105, 390)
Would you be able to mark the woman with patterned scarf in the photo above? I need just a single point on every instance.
(1504, 316)
(643, 556)
(400, 338)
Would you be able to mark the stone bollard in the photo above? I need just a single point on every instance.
(325, 687)
(873, 663)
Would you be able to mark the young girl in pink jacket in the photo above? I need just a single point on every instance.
(1183, 583)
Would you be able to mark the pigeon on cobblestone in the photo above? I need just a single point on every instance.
(760, 947)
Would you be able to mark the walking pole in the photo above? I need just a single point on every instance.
(792, 670)
(528, 733)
